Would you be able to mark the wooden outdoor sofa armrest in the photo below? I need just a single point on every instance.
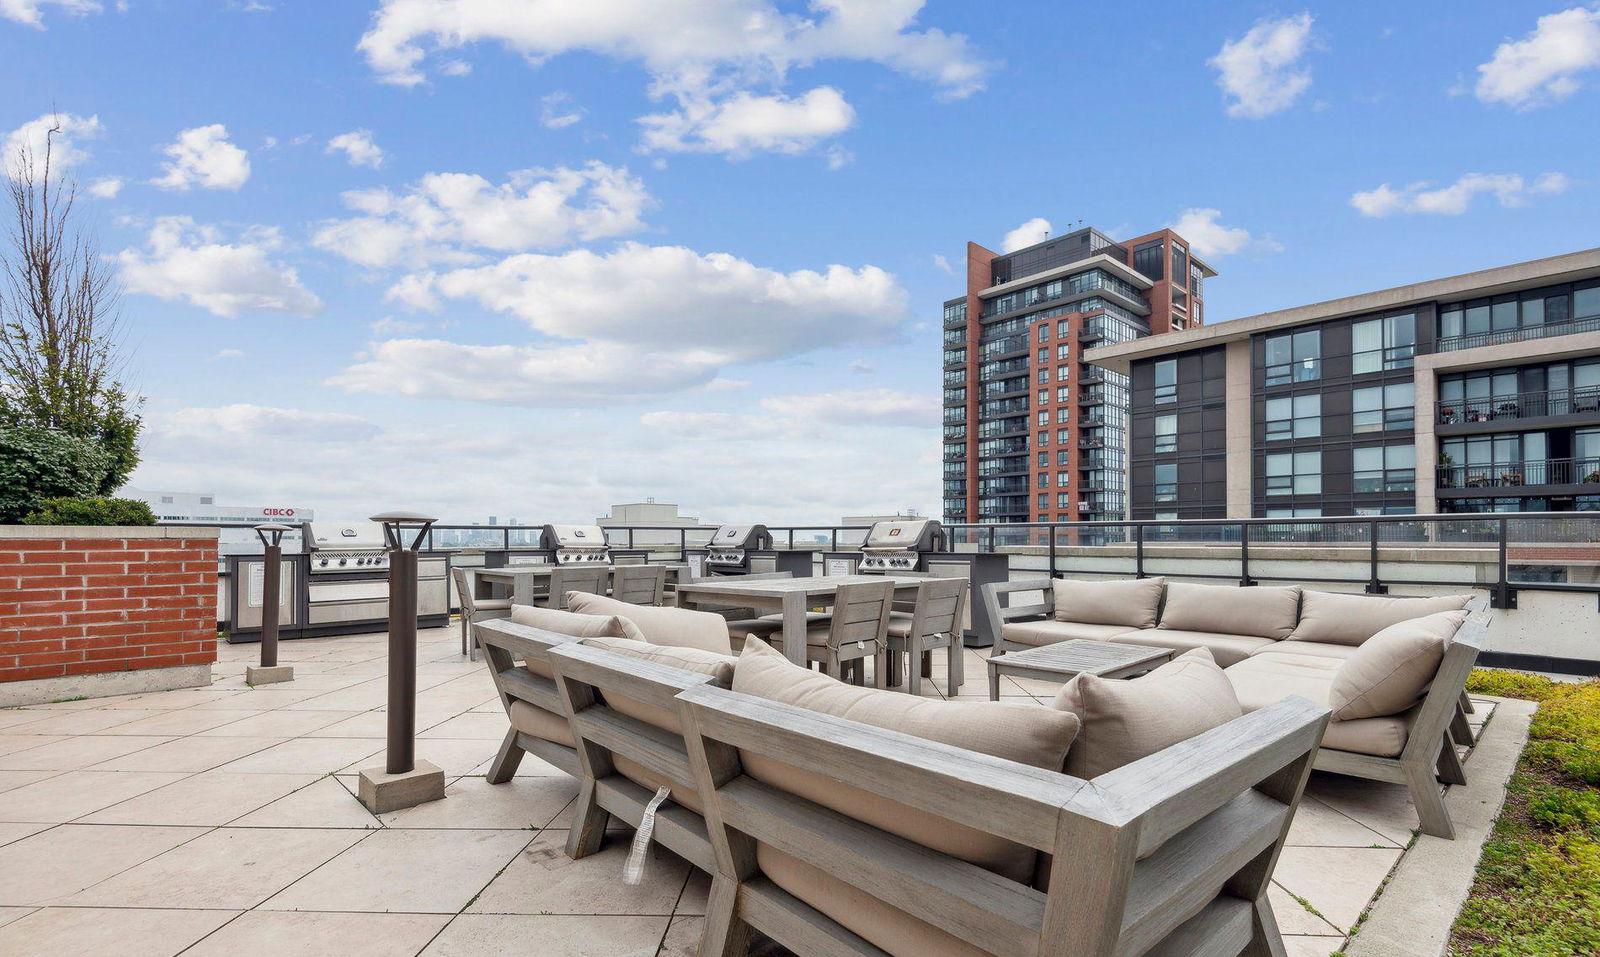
(520, 640)
(996, 599)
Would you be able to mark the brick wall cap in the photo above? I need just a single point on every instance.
(103, 532)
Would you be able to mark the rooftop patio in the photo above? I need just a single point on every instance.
(223, 819)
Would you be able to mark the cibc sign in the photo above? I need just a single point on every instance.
(278, 512)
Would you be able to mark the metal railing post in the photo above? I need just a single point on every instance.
(1504, 595)
(1245, 581)
(1050, 530)
(1138, 550)
(1374, 585)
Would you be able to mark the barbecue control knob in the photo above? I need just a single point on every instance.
(324, 562)
(341, 561)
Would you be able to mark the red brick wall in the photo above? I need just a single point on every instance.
(75, 606)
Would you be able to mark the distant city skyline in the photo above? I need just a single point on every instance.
(373, 259)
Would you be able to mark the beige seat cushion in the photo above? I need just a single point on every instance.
(1027, 734)
(1225, 649)
(1310, 649)
(1049, 632)
(1123, 721)
(1344, 619)
(1271, 677)
(1132, 604)
(1391, 671)
(886, 927)
(1261, 611)
(573, 623)
(533, 720)
(682, 627)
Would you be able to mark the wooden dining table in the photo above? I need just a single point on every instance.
(791, 597)
(530, 582)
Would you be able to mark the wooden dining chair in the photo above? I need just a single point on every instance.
(855, 631)
(639, 584)
(934, 622)
(592, 579)
(474, 609)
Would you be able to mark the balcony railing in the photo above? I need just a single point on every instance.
(1520, 334)
(1521, 474)
(1522, 405)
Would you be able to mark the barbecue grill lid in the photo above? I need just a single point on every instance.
(918, 534)
(346, 536)
(574, 536)
(741, 536)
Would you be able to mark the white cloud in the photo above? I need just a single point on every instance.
(451, 217)
(1211, 239)
(1509, 189)
(634, 322)
(1261, 72)
(106, 187)
(943, 265)
(708, 55)
(62, 131)
(390, 326)
(188, 261)
(227, 354)
(744, 124)
(250, 424)
(358, 148)
(203, 157)
(1543, 67)
(557, 111)
(31, 12)
(838, 158)
(1035, 230)
(805, 415)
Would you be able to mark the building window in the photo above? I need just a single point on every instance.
(1294, 513)
(1044, 356)
(1044, 480)
(1062, 372)
(1044, 416)
(1294, 417)
(1294, 357)
(1167, 380)
(1294, 473)
(1064, 393)
(1044, 333)
(1385, 468)
(1063, 500)
(1063, 479)
(1166, 483)
(1044, 376)
(1388, 343)
(1063, 436)
(1381, 408)
(1044, 499)
(1044, 396)
(1063, 415)
(1062, 329)
(1180, 263)
(1150, 259)
(1063, 351)
(1166, 433)
(166, 500)
(1044, 460)
(1062, 458)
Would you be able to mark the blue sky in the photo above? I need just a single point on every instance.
(532, 258)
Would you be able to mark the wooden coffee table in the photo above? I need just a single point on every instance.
(1063, 659)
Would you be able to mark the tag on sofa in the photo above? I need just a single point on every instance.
(633, 868)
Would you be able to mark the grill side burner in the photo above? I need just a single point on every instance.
(576, 544)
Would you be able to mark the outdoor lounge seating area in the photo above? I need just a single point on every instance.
(804, 813)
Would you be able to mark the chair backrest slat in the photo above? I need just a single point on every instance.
(861, 612)
(639, 584)
(563, 580)
(464, 593)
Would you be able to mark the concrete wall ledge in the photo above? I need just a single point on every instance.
(104, 685)
(14, 532)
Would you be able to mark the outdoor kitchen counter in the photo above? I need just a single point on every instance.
(528, 582)
(789, 596)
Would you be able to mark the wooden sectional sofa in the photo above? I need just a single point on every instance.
(840, 820)
(1279, 641)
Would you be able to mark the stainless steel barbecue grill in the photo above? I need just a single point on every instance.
(576, 544)
(728, 552)
(899, 546)
(357, 546)
(922, 547)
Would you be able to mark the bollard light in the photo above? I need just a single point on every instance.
(402, 781)
(269, 671)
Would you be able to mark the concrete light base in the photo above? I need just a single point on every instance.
(383, 792)
(260, 675)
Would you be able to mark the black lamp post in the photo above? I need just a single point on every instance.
(269, 671)
(397, 529)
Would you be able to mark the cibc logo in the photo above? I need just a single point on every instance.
(279, 512)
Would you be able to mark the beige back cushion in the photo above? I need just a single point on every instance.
(682, 627)
(1351, 619)
(1123, 721)
(1260, 611)
(718, 667)
(1131, 603)
(1391, 670)
(1027, 734)
(571, 623)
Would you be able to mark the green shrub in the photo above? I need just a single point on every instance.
(90, 511)
(1511, 684)
(38, 463)
(1562, 810)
